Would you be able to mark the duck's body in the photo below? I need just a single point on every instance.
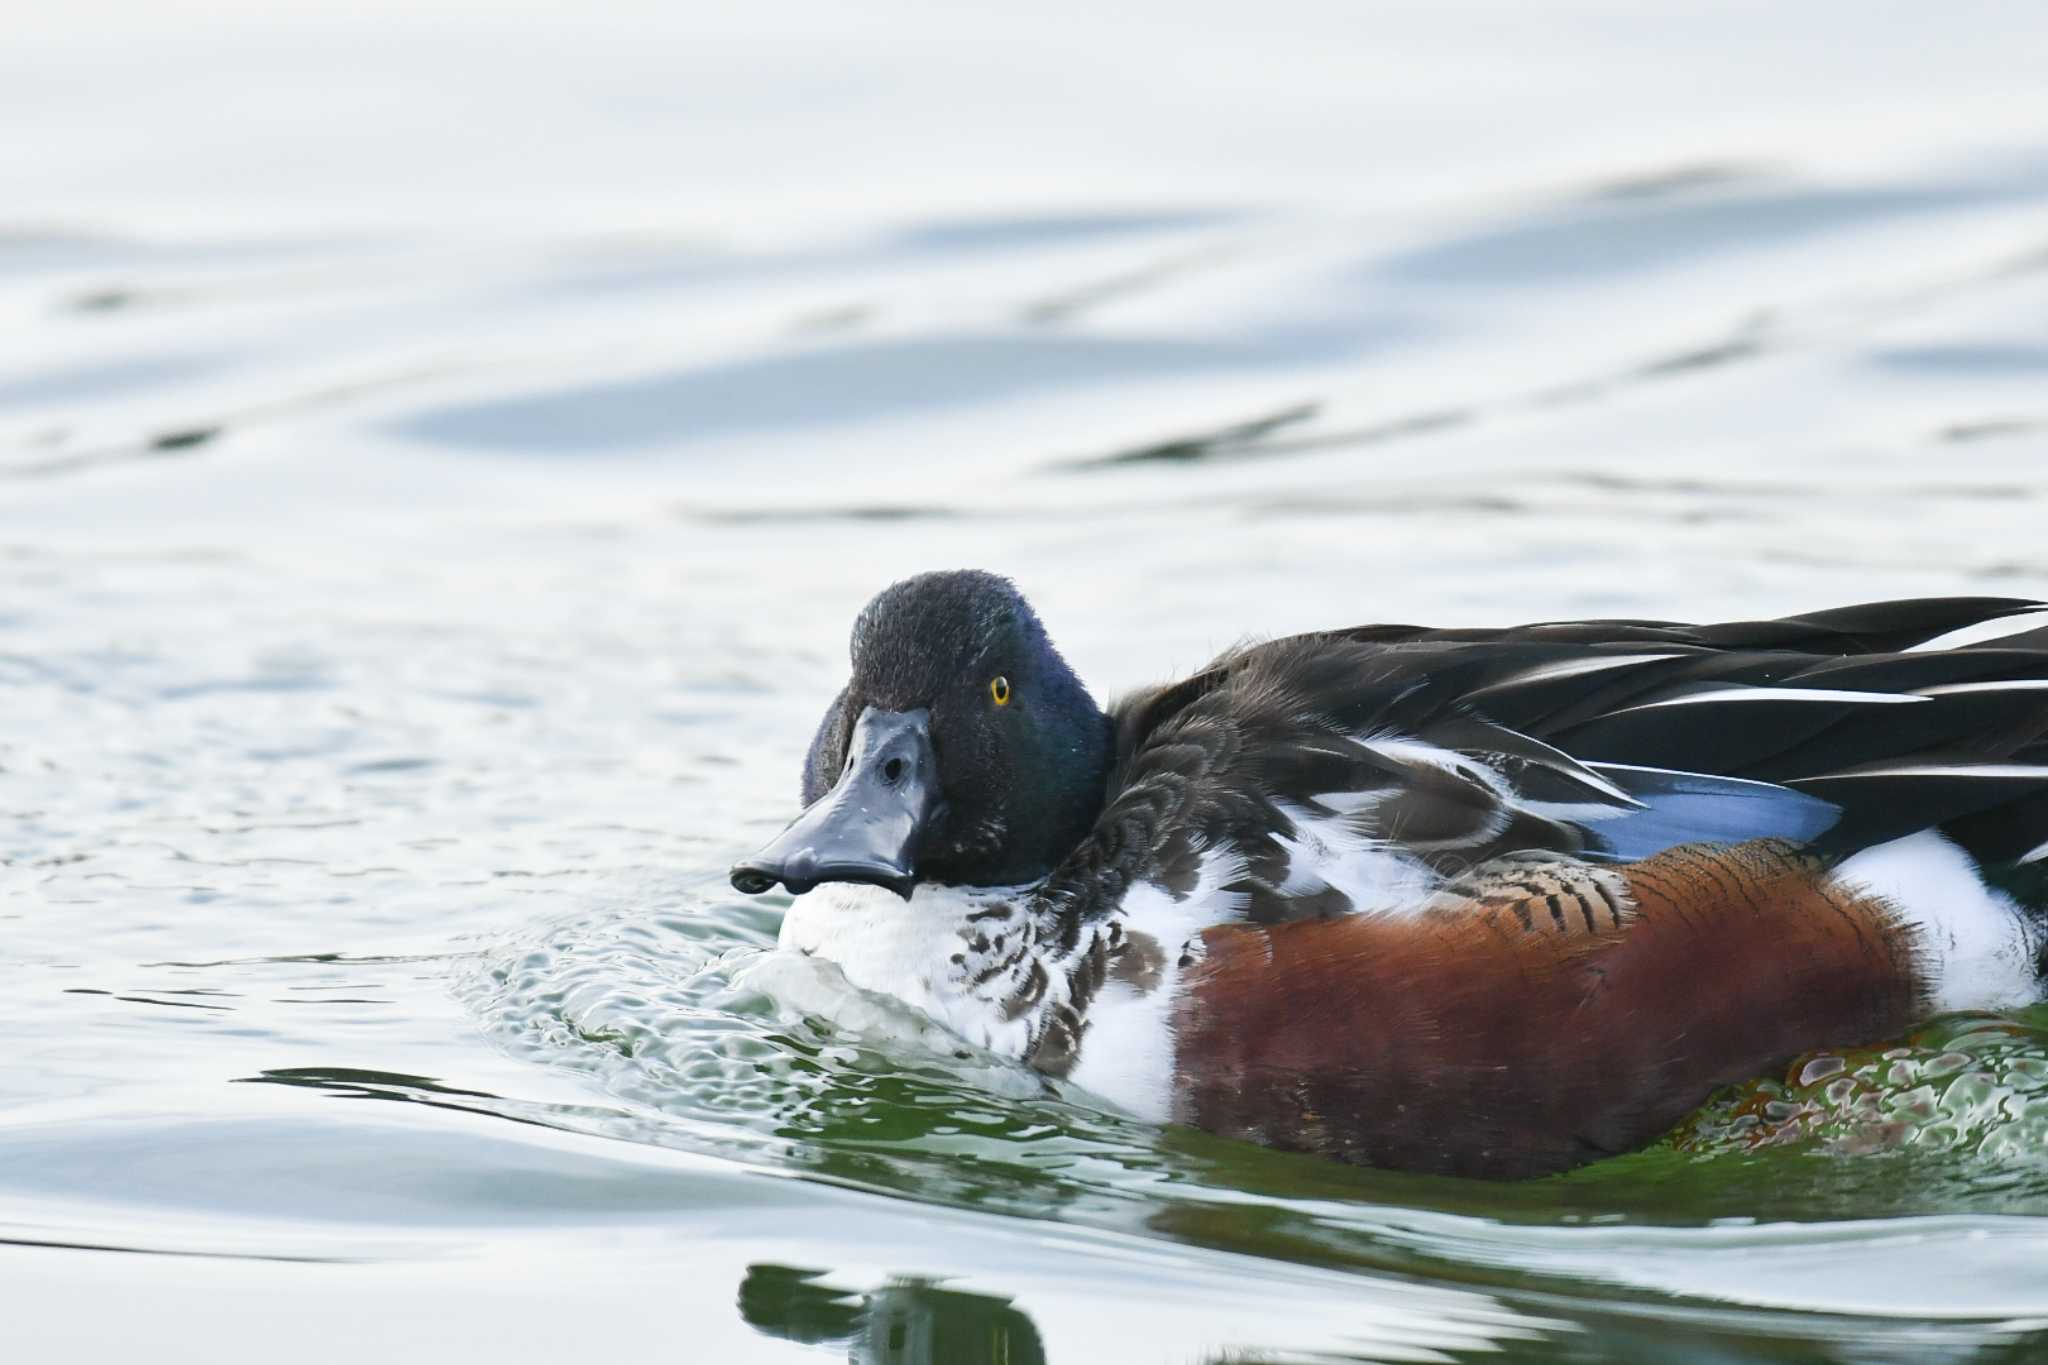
(1487, 902)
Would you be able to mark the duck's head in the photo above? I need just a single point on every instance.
(963, 749)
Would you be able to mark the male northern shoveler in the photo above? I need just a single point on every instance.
(1487, 902)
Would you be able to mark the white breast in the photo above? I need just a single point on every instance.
(945, 954)
(1127, 1053)
(920, 950)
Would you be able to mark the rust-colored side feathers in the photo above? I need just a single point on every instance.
(1539, 1016)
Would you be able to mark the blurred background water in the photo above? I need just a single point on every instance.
(442, 447)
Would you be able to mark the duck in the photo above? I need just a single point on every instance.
(1490, 903)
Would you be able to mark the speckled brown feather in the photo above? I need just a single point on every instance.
(1517, 1033)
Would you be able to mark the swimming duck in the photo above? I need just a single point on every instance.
(1479, 902)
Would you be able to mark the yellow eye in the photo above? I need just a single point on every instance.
(999, 690)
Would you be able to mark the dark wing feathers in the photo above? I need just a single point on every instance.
(1868, 628)
(1595, 737)
(1871, 628)
(2013, 831)
(1736, 738)
(1996, 662)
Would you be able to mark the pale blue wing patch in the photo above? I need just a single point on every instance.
(1685, 808)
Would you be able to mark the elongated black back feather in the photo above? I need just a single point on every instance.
(1454, 746)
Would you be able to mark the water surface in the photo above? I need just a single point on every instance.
(440, 456)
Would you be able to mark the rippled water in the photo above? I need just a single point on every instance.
(440, 454)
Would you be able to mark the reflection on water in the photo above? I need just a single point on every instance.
(438, 474)
(1679, 221)
(904, 1322)
(841, 384)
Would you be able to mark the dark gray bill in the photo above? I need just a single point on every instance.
(867, 828)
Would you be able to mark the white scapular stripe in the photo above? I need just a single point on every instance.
(2030, 771)
(2009, 685)
(1402, 749)
(1777, 694)
(1977, 947)
(1572, 668)
(1981, 632)
(2035, 855)
(1763, 788)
